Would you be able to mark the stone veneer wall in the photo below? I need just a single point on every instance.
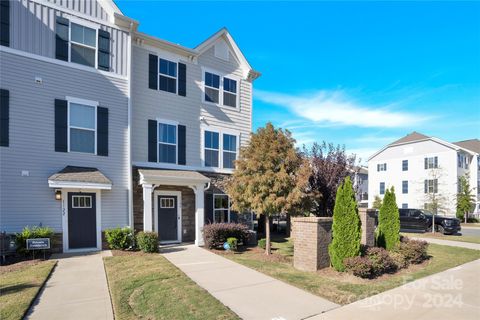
(311, 236)
(367, 218)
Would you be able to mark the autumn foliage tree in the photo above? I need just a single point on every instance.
(270, 176)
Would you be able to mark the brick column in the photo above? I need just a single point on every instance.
(311, 236)
(367, 218)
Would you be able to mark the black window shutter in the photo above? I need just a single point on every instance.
(425, 186)
(102, 131)
(233, 216)
(103, 50)
(153, 71)
(5, 23)
(208, 205)
(61, 39)
(426, 163)
(61, 129)
(4, 117)
(152, 141)
(436, 162)
(182, 145)
(182, 79)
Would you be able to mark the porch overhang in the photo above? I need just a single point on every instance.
(171, 177)
(79, 178)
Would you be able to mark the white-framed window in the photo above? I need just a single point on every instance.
(221, 208)
(404, 205)
(167, 142)
(83, 45)
(220, 90)
(212, 148)
(82, 202)
(431, 186)
(167, 203)
(404, 165)
(167, 76)
(229, 150)
(82, 126)
(220, 147)
(382, 167)
(405, 187)
(462, 160)
(431, 162)
(382, 187)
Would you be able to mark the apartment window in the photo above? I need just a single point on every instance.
(462, 161)
(382, 167)
(404, 205)
(212, 147)
(404, 186)
(405, 165)
(221, 208)
(82, 128)
(229, 92)
(431, 186)
(167, 143)
(212, 87)
(431, 162)
(83, 45)
(167, 75)
(382, 187)
(229, 151)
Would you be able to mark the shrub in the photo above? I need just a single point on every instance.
(414, 251)
(119, 238)
(262, 243)
(399, 259)
(147, 241)
(388, 231)
(360, 266)
(32, 233)
(233, 243)
(346, 229)
(381, 261)
(216, 234)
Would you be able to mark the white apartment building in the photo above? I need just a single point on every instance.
(420, 167)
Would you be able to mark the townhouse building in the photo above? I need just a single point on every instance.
(103, 126)
(423, 169)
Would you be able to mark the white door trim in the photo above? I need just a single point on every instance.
(98, 204)
(178, 194)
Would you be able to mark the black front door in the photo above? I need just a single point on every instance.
(82, 220)
(167, 218)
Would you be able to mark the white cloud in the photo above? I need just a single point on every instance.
(335, 107)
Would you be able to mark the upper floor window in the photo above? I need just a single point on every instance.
(382, 167)
(431, 162)
(82, 129)
(167, 143)
(83, 45)
(229, 92)
(431, 186)
(212, 147)
(404, 165)
(212, 87)
(462, 161)
(382, 187)
(404, 186)
(229, 151)
(168, 75)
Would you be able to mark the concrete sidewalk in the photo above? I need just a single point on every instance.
(452, 294)
(250, 294)
(77, 289)
(451, 243)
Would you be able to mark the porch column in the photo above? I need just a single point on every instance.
(147, 207)
(199, 214)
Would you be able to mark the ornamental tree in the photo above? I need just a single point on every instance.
(388, 231)
(270, 176)
(346, 229)
(465, 198)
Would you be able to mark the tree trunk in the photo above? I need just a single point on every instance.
(267, 235)
(466, 216)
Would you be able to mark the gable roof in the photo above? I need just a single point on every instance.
(411, 137)
(472, 145)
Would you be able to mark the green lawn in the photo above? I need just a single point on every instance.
(147, 286)
(19, 284)
(462, 238)
(344, 288)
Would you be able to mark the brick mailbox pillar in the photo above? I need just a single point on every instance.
(311, 236)
(367, 218)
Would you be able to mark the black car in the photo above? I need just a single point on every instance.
(445, 225)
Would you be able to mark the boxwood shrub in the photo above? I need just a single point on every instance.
(147, 241)
(119, 238)
(216, 234)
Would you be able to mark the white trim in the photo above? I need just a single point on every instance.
(178, 194)
(213, 206)
(70, 41)
(98, 218)
(80, 207)
(92, 104)
(222, 75)
(221, 132)
(63, 63)
(79, 185)
(176, 61)
(161, 165)
(171, 123)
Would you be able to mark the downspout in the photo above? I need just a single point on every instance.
(129, 131)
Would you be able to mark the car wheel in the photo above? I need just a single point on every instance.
(440, 229)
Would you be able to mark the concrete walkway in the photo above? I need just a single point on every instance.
(77, 289)
(452, 294)
(250, 294)
(452, 243)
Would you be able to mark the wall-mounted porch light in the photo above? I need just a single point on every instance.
(58, 194)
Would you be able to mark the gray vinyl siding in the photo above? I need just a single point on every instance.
(33, 30)
(29, 200)
(89, 7)
(153, 104)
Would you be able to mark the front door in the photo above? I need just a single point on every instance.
(82, 220)
(168, 218)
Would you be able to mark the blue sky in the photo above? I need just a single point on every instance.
(360, 74)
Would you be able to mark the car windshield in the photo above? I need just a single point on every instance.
(426, 212)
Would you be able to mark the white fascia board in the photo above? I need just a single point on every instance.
(79, 185)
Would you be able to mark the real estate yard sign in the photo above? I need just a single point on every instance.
(38, 244)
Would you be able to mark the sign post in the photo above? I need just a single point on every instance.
(38, 244)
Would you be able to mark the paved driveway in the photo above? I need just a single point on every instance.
(250, 294)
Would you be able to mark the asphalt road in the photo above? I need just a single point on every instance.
(471, 231)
